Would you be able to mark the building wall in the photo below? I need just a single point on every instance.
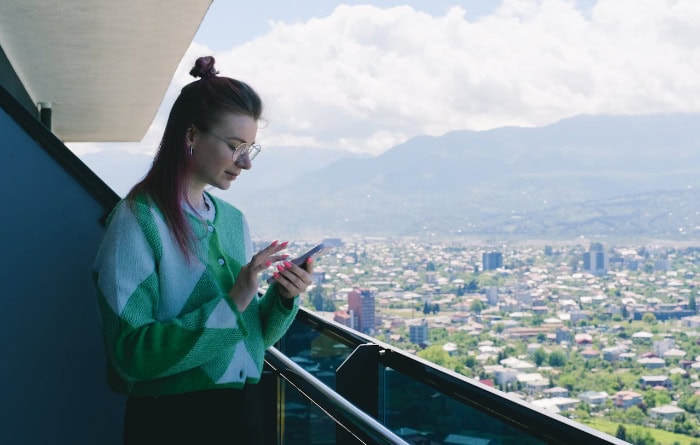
(492, 260)
(52, 378)
(361, 303)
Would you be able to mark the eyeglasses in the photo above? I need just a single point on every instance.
(238, 151)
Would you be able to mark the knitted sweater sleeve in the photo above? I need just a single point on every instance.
(275, 318)
(142, 340)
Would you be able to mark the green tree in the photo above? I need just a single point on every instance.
(635, 415)
(567, 381)
(316, 296)
(621, 432)
(649, 318)
(470, 361)
(540, 356)
(692, 305)
(477, 306)
(557, 358)
(439, 356)
(690, 403)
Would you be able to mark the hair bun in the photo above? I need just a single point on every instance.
(204, 68)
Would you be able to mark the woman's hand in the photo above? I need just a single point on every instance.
(292, 279)
(246, 285)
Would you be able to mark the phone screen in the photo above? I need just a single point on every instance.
(314, 252)
(311, 253)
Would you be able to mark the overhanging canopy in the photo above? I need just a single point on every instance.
(103, 65)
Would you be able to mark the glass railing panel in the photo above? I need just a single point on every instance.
(417, 412)
(415, 399)
(318, 353)
(301, 421)
(309, 412)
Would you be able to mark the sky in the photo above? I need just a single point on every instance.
(367, 76)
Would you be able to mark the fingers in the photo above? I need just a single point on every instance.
(276, 258)
(270, 254)
(273, 248)
(293, 278)
(308, 266)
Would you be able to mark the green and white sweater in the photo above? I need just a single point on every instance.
(168, 324)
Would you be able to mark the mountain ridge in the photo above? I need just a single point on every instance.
(509, 181)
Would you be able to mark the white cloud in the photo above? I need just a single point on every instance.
(367, 78)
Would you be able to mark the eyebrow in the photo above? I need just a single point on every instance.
(236, 138)
(239, 139)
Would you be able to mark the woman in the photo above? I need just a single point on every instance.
(184, 329)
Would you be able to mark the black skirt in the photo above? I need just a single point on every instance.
(222, 416)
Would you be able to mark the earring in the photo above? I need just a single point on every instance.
(191, 148)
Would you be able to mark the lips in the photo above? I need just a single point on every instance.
(231, 175)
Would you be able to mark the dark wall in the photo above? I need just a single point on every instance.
(52, 377)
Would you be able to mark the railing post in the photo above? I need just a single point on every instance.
(357, 380)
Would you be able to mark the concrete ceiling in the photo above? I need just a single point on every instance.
(104, 65)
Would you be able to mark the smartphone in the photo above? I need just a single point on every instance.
(312, 253)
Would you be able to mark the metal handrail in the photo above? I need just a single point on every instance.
(356, 422)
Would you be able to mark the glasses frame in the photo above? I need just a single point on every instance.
(237, 151)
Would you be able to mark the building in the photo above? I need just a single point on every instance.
(418, 333)
(692, 321)
(345, 318)
(492, 295)
(655, 380)
(627, 399)
(661, 346)
(333, 242)
(652, 362)
(612, 353)
(492, 260)
(361, 303)
(595, 398)
(557, 391)
(642, 337)
(595, 261)
(556, 404)
(665, 412)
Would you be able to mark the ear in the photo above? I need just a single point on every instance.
(190, 134)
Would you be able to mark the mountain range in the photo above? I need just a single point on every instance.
(609, 176)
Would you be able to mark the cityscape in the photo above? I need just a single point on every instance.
(604, 334)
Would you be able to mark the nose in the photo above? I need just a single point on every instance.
(243, 162)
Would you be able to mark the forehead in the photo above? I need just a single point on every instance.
(236, 126)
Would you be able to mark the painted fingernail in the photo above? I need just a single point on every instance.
(268, 264)
(274, 243)
(287, 264)
(309, 260)
(285, 255)
(284, 244)
(276, 275)
(280, 268)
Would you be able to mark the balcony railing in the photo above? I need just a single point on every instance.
(335, 385)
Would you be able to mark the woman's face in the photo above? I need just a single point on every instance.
(212, 159)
